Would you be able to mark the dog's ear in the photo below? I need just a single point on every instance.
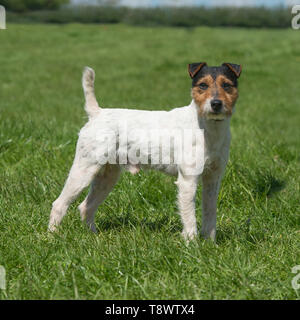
(194, 68)
(235, 68)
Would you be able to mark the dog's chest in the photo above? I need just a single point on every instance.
(216, 152)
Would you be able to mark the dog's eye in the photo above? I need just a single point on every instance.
(203, 86)
(226, 85)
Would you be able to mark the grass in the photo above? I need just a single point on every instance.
(139, 253)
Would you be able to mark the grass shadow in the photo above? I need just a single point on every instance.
(243, 232)
(131, 222)
(267, 184)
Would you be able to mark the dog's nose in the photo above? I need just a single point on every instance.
(216, 105)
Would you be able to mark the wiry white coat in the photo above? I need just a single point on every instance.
(108, 131)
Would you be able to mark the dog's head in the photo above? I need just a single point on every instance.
(214, 89)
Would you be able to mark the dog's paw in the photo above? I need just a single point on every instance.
(52, 228)
(189, 235)
(209, 235)
(93, 228)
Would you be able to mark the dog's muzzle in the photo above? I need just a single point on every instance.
(216, 105)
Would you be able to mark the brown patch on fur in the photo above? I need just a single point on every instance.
(215, 90)
(228, 96)
(199, 95)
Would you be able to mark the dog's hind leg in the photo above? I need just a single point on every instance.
(101, 186)
(80, 176)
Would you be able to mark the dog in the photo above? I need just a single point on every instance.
(100, 155)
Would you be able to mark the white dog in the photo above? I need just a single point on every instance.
(132, 139)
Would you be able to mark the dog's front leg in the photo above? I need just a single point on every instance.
(187, 187)
(211, 183)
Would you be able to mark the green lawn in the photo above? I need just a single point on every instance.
(139, 253)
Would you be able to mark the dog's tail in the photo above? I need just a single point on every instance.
(91, 105)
